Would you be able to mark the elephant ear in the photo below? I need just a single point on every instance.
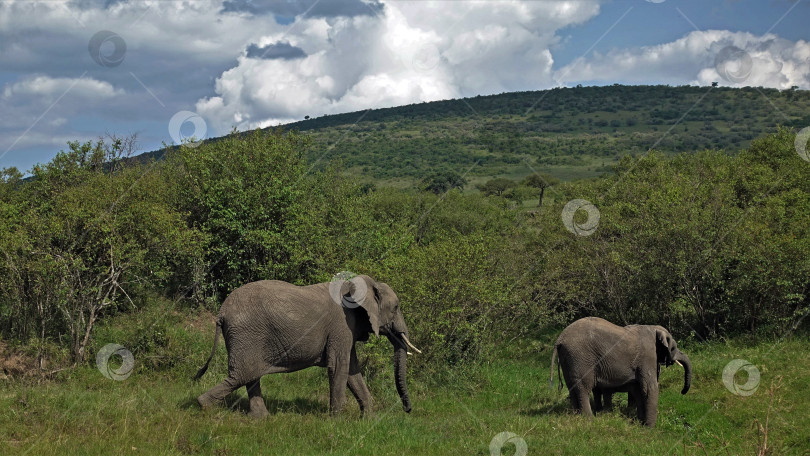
(362, 291)
(664, 343)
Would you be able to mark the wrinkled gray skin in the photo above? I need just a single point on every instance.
(607, 394)
(272, 326)
(596, 355)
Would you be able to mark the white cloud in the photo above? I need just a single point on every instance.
(50, 88)
(412, 52)
(693, 59)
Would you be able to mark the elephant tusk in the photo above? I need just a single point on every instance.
(405, 338)
(409, 353)
(679, 363)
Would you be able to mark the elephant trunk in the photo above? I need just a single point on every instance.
(400, 368)
(683, 360)
(398, 337)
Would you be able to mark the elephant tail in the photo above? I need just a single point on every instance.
(213, 351)
(551, 372)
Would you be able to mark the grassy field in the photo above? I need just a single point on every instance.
(456, 411)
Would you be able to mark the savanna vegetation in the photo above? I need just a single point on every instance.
(98, 249)
(570, 133)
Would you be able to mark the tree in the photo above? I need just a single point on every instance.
(541, 181)
(443, 181)
(496, 186)
(242, 193)
(90, 232)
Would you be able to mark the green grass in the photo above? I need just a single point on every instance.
(456, 411)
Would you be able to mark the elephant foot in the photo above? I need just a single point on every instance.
(206, 401)
(257, 408)
(258, 414)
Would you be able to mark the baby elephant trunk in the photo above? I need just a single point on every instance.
(683, 360)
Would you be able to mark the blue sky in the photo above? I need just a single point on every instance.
(213, 65)
(649, 23)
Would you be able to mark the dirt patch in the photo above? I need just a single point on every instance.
(15, 364)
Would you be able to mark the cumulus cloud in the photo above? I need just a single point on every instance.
(50, 88)
(700, 58)
(405, 52)
(174, 51)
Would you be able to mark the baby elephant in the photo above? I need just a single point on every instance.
(596, 355)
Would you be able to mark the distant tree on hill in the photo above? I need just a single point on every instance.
(541, 181)
(496, 186)
(443, 181)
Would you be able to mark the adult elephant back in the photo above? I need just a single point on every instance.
(596, 355)
(272, 326)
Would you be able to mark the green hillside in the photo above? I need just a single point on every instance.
(569, 132)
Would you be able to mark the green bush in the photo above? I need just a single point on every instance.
(80, 238)
(705, 243)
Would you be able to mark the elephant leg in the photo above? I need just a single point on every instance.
(597, 400)
(647, 403)
(581, 399)
(579, 385)
(651, 408)
(257, 407)
(360, 391)
(338, 378)
(636, 399)
(218, 393)
(358, 386)
(608, 401)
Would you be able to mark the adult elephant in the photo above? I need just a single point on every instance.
(598, 355)
(272, 326)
